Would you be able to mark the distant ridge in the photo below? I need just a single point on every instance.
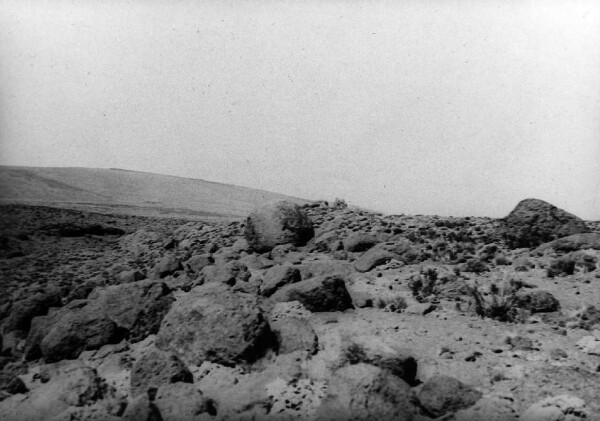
(130, 191)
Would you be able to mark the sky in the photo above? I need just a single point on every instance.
(416, 107)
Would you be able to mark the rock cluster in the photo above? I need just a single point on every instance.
(315, 312)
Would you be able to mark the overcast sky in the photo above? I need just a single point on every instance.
(430, 107)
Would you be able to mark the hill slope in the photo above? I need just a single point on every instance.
(129, 191)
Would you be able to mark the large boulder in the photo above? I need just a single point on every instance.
(214, 323)
(325, 293)
(373, 258)
(537, 301)
(24, 310)
(441, 395)
(365, 392)
(359, 241)
(277, 223)
(590, 240)
(137, 307)
(290, 323)
(75, 330)
(533, 222)
(68, 386)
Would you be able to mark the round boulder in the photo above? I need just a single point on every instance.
(214, 323)
(277, 223)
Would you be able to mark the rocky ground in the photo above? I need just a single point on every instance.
(321, 312)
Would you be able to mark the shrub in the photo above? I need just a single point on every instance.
(475, 266)
(340, 203)
(394, 305)
(423, 285)
(502, 303)
(561, 266)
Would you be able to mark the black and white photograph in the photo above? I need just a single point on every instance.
(321, 210)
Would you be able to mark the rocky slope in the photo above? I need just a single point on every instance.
(316, 312)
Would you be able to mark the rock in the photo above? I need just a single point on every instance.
(522, 264)
(183, 402)
(82, 291)
(358, 242)
(441, 395)
(167, 265)
(213, 323)
(420, 309)
(196, 263)
(291, 326)
(375, 292)
(324, 267)
(279, 276)
(325, 293)
(156, 368)
(141, 409)
(277, 223)
(534, 222)
(327, 242)
(128, 276)
(11, 384)
(365, 392)
(230, 273)
(590, 345)
(493, 407)
(75, 330)
(26, 309)
(40, 326)
(373, 258)
(69, 385)
(557, 408)
(537, 301)
(370, 349)
(575, 242)
(256, 262)
(137, 307)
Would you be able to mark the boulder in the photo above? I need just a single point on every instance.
(325, 293)
(68, 385)
(137, 307)
(75, 330)
(290, 323)
(10, 385)
(213, 323)
(26, 309)
(196, 263)
(183, 402)
(279, 276)
(537, 301)
(557, 408)
(324, 267)
(373, 258)
(277, 223)
(359, 241)
(167, 265)
(441, 395)
(156, 368)
(590, 240)
(365, 392)
(534, 222)
(230, 273)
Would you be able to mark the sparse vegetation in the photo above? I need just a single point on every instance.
(501, 303)
(561, 267)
